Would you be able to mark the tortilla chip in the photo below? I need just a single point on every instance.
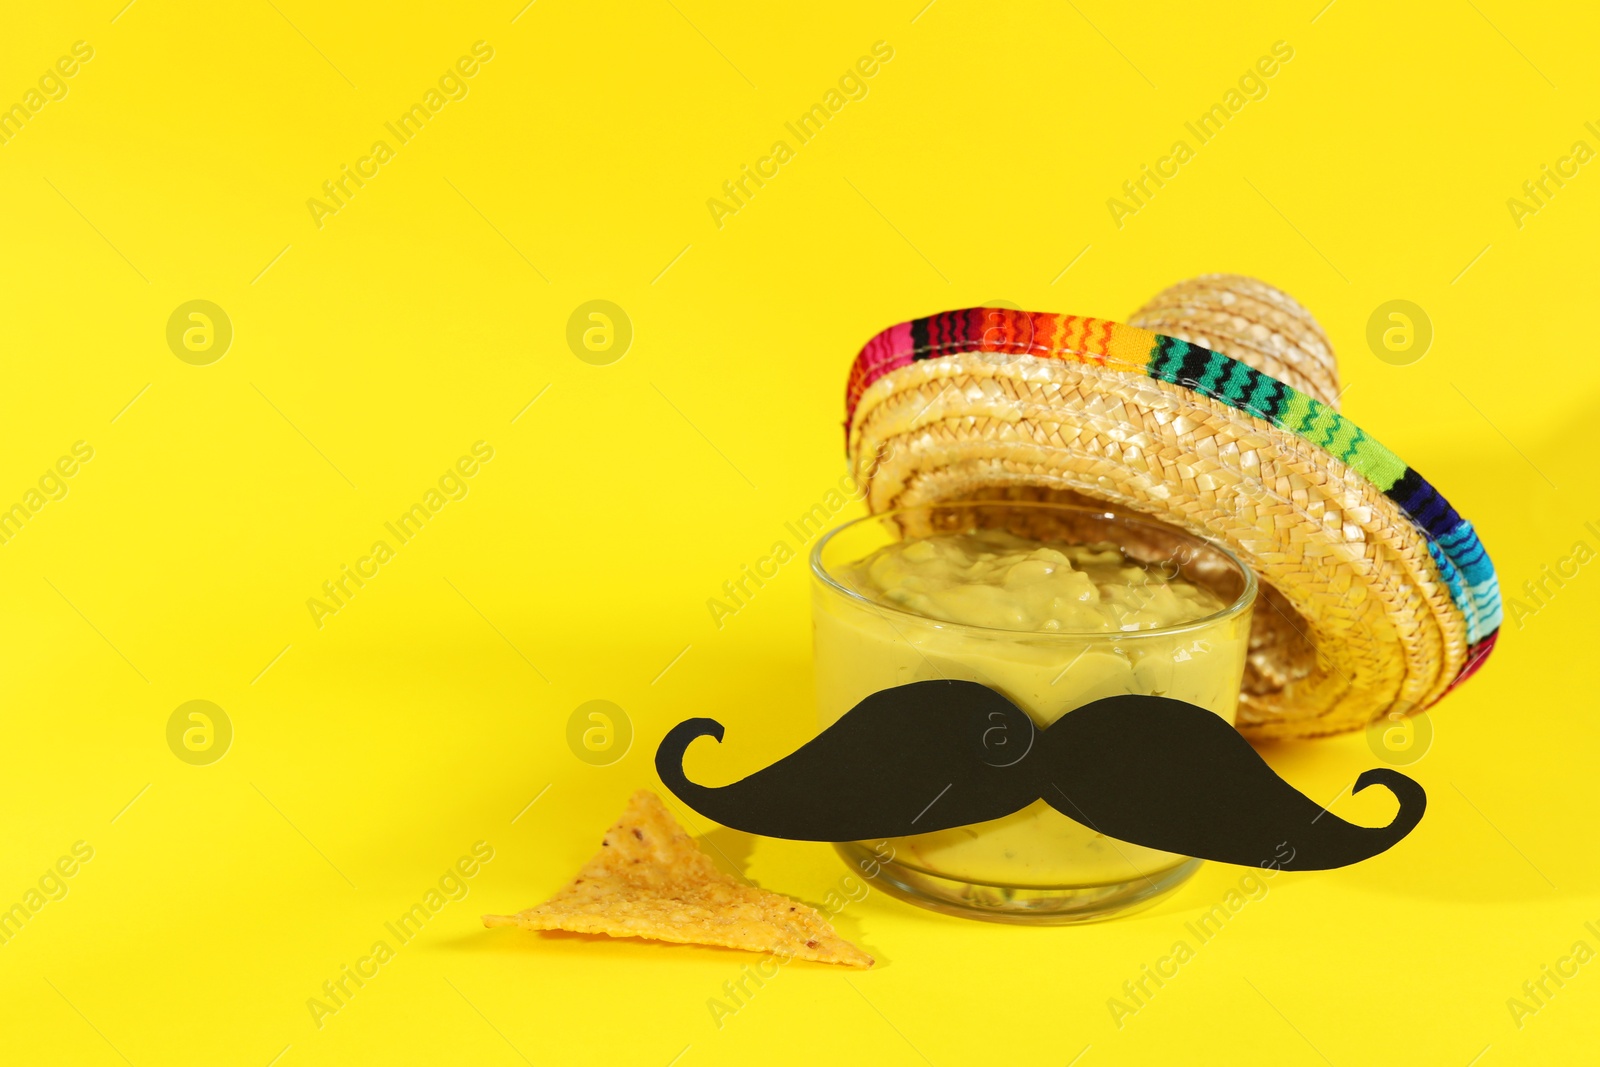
(651, 880)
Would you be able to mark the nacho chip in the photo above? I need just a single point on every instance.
(651, 880)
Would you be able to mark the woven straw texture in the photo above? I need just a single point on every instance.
(1356, 621)
(1252, 322)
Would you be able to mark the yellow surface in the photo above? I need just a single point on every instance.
(369, 755)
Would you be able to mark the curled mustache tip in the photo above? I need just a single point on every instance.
(1413, 799)
(690, 729)
(669, 756)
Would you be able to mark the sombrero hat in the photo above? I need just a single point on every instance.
(1215, 412)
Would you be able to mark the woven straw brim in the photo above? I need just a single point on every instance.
(1355, 621)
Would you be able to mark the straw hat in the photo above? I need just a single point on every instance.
(1377, 597)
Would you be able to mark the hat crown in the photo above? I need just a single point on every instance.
(1254, 323)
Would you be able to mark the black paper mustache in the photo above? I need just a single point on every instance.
(938, 754)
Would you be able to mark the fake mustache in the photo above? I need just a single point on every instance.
(934, 755)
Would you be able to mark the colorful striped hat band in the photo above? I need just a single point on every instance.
(1395, 595)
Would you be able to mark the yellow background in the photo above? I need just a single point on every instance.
(369, 354)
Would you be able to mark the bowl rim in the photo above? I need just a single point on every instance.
(1240, 604)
